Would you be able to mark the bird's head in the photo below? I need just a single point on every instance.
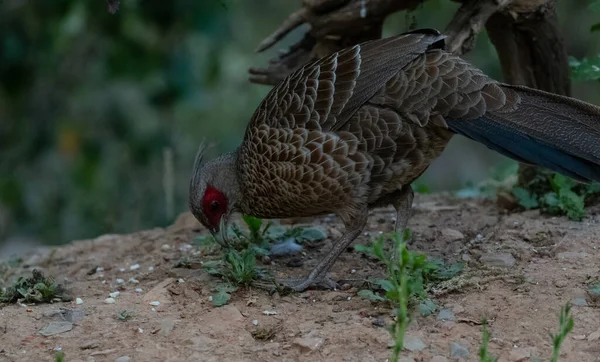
(214, 190)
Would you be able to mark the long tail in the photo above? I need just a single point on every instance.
(560, 133)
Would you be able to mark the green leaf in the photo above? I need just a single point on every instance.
(427, 307)
(445, 272)
(205, 240)
(220, 299)
(369, 295)
(594, 290)
(276, 232)
(595, 27)
(385, 284)
(526, 199)
(254, 223)
(586, 68)
(551, 199)
(560, 182)
(572, 204)
(225, 288)
(313, 234)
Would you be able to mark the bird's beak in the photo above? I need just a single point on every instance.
(220, 232)
(223, 229)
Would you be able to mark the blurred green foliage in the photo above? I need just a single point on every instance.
(101, 115)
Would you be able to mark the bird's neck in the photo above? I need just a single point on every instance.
(228, 165)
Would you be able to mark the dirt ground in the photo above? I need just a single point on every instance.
(555, 260)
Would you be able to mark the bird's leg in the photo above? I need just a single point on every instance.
(403, 205)
(318, 276)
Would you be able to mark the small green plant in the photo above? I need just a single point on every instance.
(483, 350)
(239, 249)
(124, 315)
(565, 325)
(237, 267)
(422, 272)
(36, 289)
(407, 272)
(566, 197)
(240, 267)
(59, 356)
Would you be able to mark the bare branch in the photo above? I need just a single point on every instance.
(335, 24)
(468, 22)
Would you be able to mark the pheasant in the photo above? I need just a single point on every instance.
(353, 130)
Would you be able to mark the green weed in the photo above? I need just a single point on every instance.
(565, 325)
(36, 289)
(59, 356)
(566, 197)
(406, 275)
(483, 350)
(238, 250)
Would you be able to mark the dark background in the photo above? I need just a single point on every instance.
(101, 115)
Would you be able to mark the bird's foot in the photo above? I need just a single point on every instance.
(288, 285)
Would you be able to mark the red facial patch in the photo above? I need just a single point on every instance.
(214, 205)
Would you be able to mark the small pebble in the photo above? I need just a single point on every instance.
(594, 336)
(165, 247)
(134, 267)
(379, 322)
(150, 268)
(114, 294)
(140, 330)
(413, 343)
(255, 322)
(109, 300)
(445, 315)
(269, 312)
(153, 309)
(121, 269)
(123, 359)
(180, 281)
(133, 280)
(99, 269)
(155, 303)
(580, 302)
(458, 351)
(78, 301)
(120, 281)
(500, 260)
(138, 290)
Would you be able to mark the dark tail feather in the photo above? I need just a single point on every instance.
(560, 133)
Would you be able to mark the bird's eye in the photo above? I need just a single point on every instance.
(214, 205)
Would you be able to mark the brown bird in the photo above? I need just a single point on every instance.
(353, 130)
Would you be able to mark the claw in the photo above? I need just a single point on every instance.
(293, 21)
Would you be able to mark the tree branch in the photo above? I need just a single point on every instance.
(468, 22)
(335, 24)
